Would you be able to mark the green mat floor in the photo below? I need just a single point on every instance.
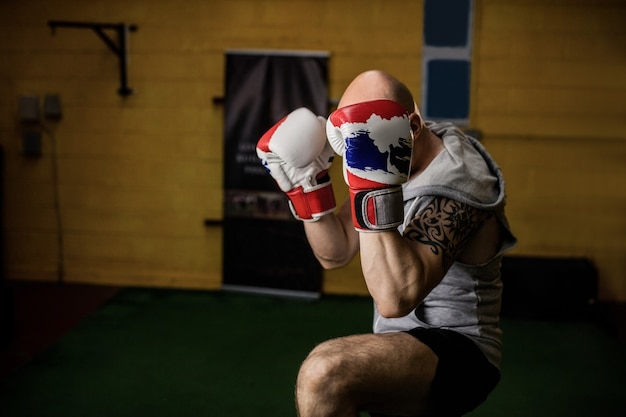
(171, 353)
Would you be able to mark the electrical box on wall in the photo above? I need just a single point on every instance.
(31, 143)
(52, 107)
(29, 115)
(29, 109)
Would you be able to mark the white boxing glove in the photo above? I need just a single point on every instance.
(297, 155)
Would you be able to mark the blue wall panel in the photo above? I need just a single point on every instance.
(446, 22)
(448, 88)
(447, 53)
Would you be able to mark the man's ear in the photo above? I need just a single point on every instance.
(417, 123)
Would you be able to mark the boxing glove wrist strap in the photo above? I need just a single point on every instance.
(378, 209)
(312, 205)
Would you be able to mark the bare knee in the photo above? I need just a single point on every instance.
(321, 382)
(320, 370)
(389, 373)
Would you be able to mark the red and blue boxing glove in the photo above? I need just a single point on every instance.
(297, 155)
(375, 140)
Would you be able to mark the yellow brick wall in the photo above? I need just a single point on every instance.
(138, 175)
(549, 83)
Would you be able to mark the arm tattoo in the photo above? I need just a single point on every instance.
(446, 225)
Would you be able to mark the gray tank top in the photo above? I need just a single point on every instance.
(468, 298)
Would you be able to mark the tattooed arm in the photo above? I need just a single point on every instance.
(401, 270)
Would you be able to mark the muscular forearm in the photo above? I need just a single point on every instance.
(333, 239)
(395, 272)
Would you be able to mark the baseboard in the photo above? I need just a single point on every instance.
(548, 288)
(612, 314)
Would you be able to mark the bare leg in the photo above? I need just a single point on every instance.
(383, 373)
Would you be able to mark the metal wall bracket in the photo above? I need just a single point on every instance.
(119, 48)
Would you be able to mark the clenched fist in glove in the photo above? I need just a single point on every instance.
(297, 155)
(374, 138)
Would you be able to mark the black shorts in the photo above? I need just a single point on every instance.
(464, 376)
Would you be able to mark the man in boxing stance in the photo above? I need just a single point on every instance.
(426, 212)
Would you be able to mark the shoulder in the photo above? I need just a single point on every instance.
(445, 226)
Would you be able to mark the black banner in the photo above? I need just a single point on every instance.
(265, 249)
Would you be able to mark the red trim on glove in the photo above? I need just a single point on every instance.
(314, 204)
(362, 112)
(264, 142)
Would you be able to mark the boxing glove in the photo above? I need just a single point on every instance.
(297, 155)
(375, 140)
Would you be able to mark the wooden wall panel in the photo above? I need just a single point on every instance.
(138, 175)
(550, 68)
(548, 90)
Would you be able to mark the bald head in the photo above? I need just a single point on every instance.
(374, 85)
